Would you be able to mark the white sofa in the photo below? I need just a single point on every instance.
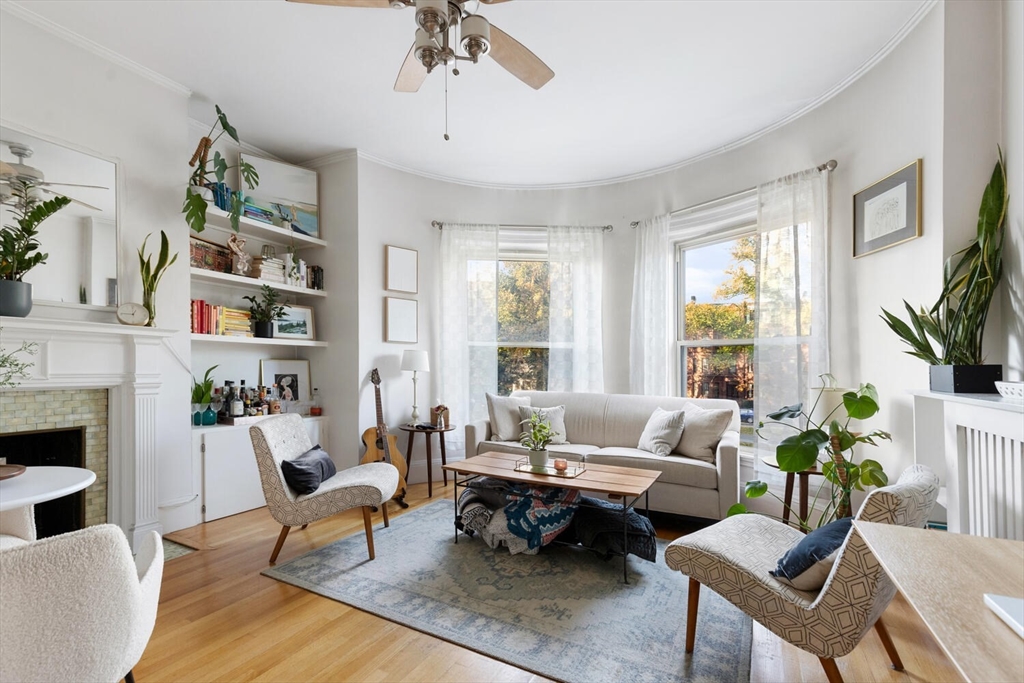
(605, 429)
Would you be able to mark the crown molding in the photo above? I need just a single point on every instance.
(31, 17)
(923, 9)
(332, 158)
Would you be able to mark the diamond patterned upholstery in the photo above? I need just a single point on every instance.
(284, 437)
(733, 558)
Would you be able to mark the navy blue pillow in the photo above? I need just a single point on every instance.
(807, 565)
(305, 473)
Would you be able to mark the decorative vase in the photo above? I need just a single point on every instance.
(15, 298)
(149, 303)
(265, 330)
(197, 413)
(209, 417)
(539, 458)
(965, 379)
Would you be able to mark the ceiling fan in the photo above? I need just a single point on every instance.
(443, 27)
(24, 178)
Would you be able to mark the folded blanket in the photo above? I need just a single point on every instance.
(539, 514)
(598, 525)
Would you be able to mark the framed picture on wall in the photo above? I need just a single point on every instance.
(290, 376)
(401, 323)
(401, 269)
(888, 212)
(296, 323)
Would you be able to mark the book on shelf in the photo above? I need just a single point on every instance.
(219, 320)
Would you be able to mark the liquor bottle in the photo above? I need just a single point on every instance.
(246, 400)
(237, 405)
(225, 407)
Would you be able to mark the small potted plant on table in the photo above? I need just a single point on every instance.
(265, 311)
(537, 437)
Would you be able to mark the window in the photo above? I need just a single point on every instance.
(717, 288)
(524, 295)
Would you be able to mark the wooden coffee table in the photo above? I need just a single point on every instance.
(628, 482)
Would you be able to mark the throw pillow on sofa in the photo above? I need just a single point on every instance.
(662, 432)
(504, 414)
(554, 416)
(702, 430)
(806, 565)
(305, 473)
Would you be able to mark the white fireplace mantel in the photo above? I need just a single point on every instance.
(124, 360)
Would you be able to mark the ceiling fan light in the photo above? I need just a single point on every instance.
(425, 50)
(432, 15)
(476, 35)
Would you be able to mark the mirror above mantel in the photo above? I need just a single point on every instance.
(81, 239)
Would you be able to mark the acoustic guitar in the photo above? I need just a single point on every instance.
(383, 447)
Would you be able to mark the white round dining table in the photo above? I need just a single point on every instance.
(42, 483)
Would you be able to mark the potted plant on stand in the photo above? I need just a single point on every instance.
(828, 444)
(265, 311)
(537, 437)
(957, 320)
(198, 192)
(19, 247)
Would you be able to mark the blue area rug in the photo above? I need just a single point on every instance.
(564, 613)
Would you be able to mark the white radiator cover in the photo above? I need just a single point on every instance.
(975, 443)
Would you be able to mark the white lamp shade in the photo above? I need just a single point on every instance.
(415, 361)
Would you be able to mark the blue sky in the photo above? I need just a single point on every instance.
(705, 270)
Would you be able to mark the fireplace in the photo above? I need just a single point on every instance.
(53, 447)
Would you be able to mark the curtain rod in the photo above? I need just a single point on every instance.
(440, 226)
(829, 166)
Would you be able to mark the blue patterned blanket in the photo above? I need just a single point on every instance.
(539, 514)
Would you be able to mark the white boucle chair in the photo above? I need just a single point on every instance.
(368, 486)
(75, 607)
(733, 558)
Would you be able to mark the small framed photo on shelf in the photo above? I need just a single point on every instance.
(401, 324)
(888, 212)
(290, 376)
(297, 323)
(401, 269)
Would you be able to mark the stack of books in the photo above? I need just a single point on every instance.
(268, 269)
(258, 213)
(219, 320)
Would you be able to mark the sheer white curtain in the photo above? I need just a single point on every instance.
(575, 263)
(469, 322)
(791, 332)
(651, 329)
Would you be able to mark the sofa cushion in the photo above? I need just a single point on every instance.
(554, 416)
(504, 414)
(569, 451)
(675, 469)
(807, 564)
(702, 430)
(584, 413)
(662, 432)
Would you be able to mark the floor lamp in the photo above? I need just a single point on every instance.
(415, 361)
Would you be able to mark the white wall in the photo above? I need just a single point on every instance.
(58, 89)
(1013, 151)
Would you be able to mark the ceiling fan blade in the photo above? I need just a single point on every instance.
(381, 4)
(517, 60)
(6, 169)
(412, 74)
(76, 201)
(493, 2)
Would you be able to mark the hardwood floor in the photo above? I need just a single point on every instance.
(220, 620)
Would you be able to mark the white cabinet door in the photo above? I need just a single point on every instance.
(231, 480)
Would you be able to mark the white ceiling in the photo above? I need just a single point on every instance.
(639, 85)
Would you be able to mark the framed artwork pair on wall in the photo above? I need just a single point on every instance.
(401, 315)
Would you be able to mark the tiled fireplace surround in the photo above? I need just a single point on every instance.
(124, 362)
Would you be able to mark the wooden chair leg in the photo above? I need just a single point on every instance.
(369, 529)
(693, 596)
(890, 647)
(280, 542)
(129, 677)
(831, 670)
(384, 512)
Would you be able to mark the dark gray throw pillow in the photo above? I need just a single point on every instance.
(807, 565)
(305, 473)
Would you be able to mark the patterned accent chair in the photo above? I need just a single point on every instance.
(734, 556)
(367, 486)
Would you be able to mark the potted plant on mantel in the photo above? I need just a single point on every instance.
(19, 247)
(198, 194)
(265, 311)
(537, 437)
(832, 441)
(957, 320)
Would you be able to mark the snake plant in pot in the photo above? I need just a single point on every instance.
(152, 274)
(19, 247)
(957, 320)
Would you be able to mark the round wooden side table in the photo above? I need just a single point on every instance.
(788, 498)
(440, 431)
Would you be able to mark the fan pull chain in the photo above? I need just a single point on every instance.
(446, 105)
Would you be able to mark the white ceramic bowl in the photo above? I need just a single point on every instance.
(1013, 391)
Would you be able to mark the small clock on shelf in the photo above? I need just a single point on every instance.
(132, 314)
